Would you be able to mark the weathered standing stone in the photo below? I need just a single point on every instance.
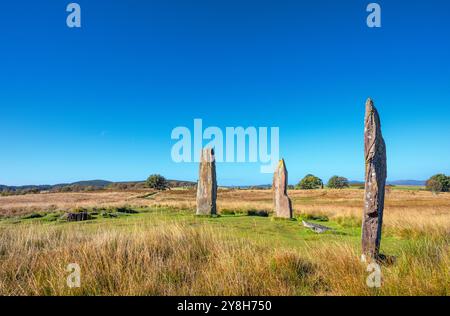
(282, 203)
(375, 155)
(207, 184)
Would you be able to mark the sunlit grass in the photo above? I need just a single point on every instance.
(165, 250)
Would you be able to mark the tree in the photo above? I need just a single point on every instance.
(310, 182)
(337, 182)
(157, 182)
(442, 179)
(434, 186)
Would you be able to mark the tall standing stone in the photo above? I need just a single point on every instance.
(207, 184)
(282, 203)
(375, 155)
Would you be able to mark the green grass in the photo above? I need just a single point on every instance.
(170, 251)
(409, 187)
(261, 230)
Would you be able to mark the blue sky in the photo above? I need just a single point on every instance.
(100, 102)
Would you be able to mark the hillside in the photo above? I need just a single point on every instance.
(88, 185)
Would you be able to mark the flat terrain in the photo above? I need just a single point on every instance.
(150, 243)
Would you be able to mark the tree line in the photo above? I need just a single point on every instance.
(436, 184)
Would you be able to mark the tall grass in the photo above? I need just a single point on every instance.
(184, 259)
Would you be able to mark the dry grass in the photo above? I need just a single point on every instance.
(406, 212)
(177, 259)
(22, 204)
(164, 256)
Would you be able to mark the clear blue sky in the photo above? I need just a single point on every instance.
(100, 102)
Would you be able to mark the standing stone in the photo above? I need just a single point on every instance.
(282, 203)
(207, 185)
(375, 155)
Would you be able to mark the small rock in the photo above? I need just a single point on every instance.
(78, 217)
(316, 228)
(258, 213)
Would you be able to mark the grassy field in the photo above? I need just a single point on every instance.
(150, 243)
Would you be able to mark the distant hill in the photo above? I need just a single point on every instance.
(396, 182)
(89, 184)
(142, 184)
(408, 182)
(101, 184)
(249, 187)
(25, 187)
(94, 183)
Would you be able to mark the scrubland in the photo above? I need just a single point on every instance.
(161, 248)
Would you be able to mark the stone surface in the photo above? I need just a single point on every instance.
(282, 203)
(78, 217)
(316, 227)
(207, 184)
(376, 170)
(258, 213)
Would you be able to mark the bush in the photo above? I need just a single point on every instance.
(434, 186)
(438, 183)
(127, 210)
(257, 213)
(157, 182)
(310, 182)
(337, 182)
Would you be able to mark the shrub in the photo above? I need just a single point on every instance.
(126, 209)
(257, 213)
(157, 182)
(310, 182)
(438, 183)
(337, 182)
(434, 186)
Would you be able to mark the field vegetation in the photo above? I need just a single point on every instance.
(147, 242)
